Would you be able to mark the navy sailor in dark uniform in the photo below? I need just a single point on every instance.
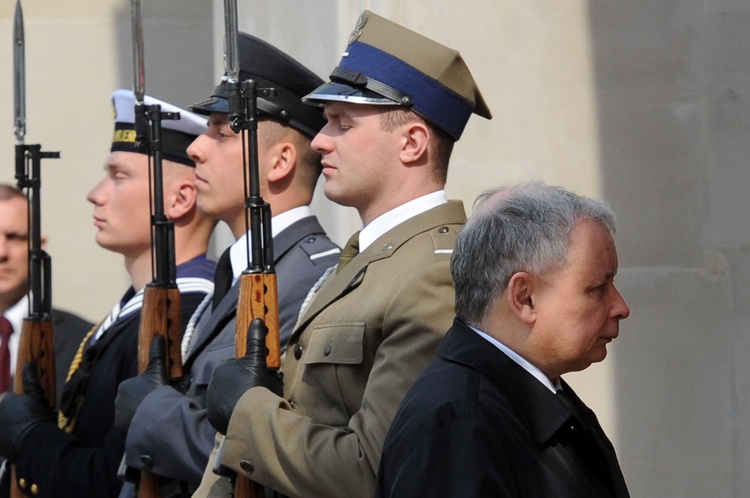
(78, 454)
(289, 170)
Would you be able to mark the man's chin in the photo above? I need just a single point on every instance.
(106, 243)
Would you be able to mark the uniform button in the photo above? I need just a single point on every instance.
(147, 460)
(387, 246)
(327, 350)
(310, 240)
(34, 489)
(247, 466)
(292, 403)
(22, 483)
(297, 351)
(443, 230)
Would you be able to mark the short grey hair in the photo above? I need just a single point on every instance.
(512, 229)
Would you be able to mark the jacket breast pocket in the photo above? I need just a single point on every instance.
(340, 343)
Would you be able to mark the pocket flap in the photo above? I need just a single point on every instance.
(338, 343)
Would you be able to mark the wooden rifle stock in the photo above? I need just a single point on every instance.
(160, 315)
(263, 303)
(258, 298)
(37, 345)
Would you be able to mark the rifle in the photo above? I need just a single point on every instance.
(37, 335)
(160, 314)
(258, 296)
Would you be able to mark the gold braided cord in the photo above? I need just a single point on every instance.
(64, 422)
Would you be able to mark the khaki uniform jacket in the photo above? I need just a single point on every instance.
(366, 336)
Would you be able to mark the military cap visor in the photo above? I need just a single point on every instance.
(214, 103)
(387, 64)
(271, 68)
(345, 93)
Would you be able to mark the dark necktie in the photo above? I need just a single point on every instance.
(350, 250)
(222, 278)
(6, 329)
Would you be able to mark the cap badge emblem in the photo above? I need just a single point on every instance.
(358, 28)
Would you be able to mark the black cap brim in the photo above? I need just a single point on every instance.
(283, 106)
(212, 104)
(340, 92)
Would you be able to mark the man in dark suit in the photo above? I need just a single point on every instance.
(534, 274)
(289, 170)
(79, 453)
(14, 303)
(395, 106)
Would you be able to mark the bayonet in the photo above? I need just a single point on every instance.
(139, 75)
(232, 67)
(231, 54)
(139, 71)
(19, 87)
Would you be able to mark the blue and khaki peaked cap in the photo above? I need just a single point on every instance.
(271, 68)
(176, 134)
(387, 64)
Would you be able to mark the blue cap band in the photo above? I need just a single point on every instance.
(433, 101)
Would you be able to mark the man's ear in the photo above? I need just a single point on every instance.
(181, 201)
(416, 139)
(44, 242)
(283, 159)
(520, 300)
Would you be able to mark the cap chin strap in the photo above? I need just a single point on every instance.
(359, 80)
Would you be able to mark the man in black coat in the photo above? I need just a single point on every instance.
(491, 416)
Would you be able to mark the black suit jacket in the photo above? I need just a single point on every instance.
(476, 424)
(69, 330)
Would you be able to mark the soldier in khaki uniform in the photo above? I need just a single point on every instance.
(395, 105)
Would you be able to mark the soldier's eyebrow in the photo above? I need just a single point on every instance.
(218, 120)
(330, 114)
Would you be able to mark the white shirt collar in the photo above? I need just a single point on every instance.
(16, 313)
(238, 254)
(398, 215)
(521, 361)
